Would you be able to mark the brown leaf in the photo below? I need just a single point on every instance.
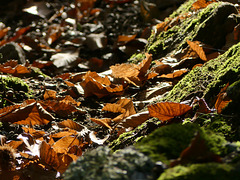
(30, 112)
(198, 49)
(134, 74)
(222, 99)
(175, 74)
(103, 122)
(49, 94)
(96, 85)
(135, 119)
(12, 67)
(66, 132)
(62, 145)
(123, 39)
(71, 124)
(4, 32)
(199, 4)
(165, 111)
(34, 133)
(48, 155)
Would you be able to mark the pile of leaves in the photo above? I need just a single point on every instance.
(81, 91)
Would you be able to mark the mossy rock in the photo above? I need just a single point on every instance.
(206, 171)
(101, 163)
(207, 81)
(169, 141)
(212, 21)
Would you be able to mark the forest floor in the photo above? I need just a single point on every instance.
(72, 79)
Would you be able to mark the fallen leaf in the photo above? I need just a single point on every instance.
(165, 111)
(49, 156)
(135, 119)
(222, 99)
(103, 122)
(30, 112)
(198, 49)
(4, 32)
(71, 124)
(62, 145)
(34, 133)
(49, 94)
(199, 4)
(93, 84)
(175, 74)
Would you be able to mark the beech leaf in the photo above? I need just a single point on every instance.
(165, 111)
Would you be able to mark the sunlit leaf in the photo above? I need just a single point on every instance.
(49, 94)
(198, 49)
(62, 145)
(96, 85)
(103, 122)
(175, 74)
(199, 4)
(222, 99)
(35, 133)
(135, 119)
(48, 155)
(71, 124)
(32, 113)
(165, 111)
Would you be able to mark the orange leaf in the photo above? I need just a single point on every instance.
(20, 32)
(34, 133)
(135, 119)
(62, 145)
(4, 31)
(116, 108)
(175, 74)
(165, 111)
(126, 38)
(144, 65)
(49, 94)
(31, 113)
(222, 99)
(199, 4)
(71, 124)
(198, 49)
(64, 133)
(76, 150)
(103, 122)
(96, 85)
(48, 155)
(69, 100)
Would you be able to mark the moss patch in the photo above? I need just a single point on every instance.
(169, 141)
(207, 171)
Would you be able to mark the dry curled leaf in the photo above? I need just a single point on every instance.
(93, 84)
(222, 99)
(134, 74)
(195, 45)
(71, 125)
(29, 112)
(199, 4)
(165, 111)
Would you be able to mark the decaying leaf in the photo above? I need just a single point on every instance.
(198, 49)
(30, 112)
(199, 4)
(165, 111)
(222, 99)
(134, 74)
(71, 124)
(93, 84)
(103, 122)
(49, 94)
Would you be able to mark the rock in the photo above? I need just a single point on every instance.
(100, 163)
(12, 51)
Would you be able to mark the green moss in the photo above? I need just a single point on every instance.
(209, 79)
(169, 141)
(184, 8)
(136, 58)
(131, 137)
(10, 82)
(207, 171)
